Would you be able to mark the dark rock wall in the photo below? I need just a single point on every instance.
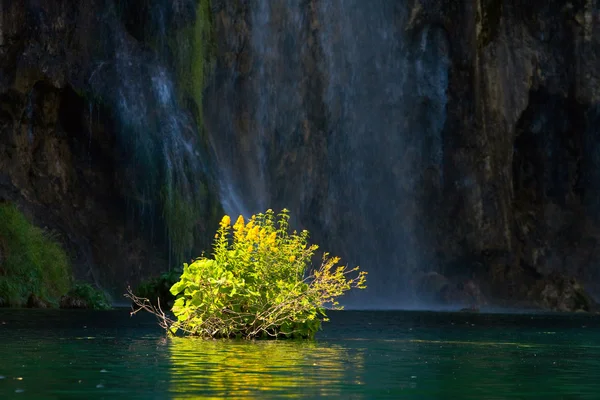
(94, 143)
(279, 146)
(514, 203)
(333, 110)
(55, 166)
(521, 142)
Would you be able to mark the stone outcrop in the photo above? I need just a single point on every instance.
(35, 302)
(556, 292)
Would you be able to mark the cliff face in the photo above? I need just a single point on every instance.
(484, 168)
(333, 110)
(409, 137)
(94, 143)
(521, 144)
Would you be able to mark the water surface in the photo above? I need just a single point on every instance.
(359, 354)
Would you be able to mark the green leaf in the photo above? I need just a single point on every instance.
(177, 288)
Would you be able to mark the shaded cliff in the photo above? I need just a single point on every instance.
(97, 141)
(441, 145)
(521, 137)
(420, 136)
(333, 110)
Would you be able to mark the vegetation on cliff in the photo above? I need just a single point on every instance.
(158, 289)
(35, 270)
(84, 295)
(257, 284)
(32, 263)
(189, 49)
(168, 182)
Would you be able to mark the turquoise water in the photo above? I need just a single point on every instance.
(406, 355)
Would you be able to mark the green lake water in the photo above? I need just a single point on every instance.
(403, 355)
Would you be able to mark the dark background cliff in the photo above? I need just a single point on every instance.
(493, 179)
(100, 138)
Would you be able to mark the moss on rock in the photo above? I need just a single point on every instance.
(32, 263)
(192, 47)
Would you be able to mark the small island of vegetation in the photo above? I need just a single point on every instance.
(258, 284)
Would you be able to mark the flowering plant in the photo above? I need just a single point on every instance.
(259, 283)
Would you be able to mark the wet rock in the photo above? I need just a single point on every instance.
(35, 302)
(560, 293)
(72, 302)
(436, 289)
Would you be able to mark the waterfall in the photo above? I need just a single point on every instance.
(338, 117)
(162, 165)
(244, 128)
(386, 101)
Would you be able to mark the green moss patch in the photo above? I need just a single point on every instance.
(192, 47)
(32, 262)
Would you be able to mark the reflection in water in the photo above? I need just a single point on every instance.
(270, 368)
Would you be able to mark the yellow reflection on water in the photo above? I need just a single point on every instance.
(232, 369)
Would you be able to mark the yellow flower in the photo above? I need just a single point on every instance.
(226, 221)
(252, 233)
(292, 258)
(239, 224)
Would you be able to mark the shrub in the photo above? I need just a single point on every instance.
(84, 295)
(159, 287)
(32, 261)
(257, 284)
